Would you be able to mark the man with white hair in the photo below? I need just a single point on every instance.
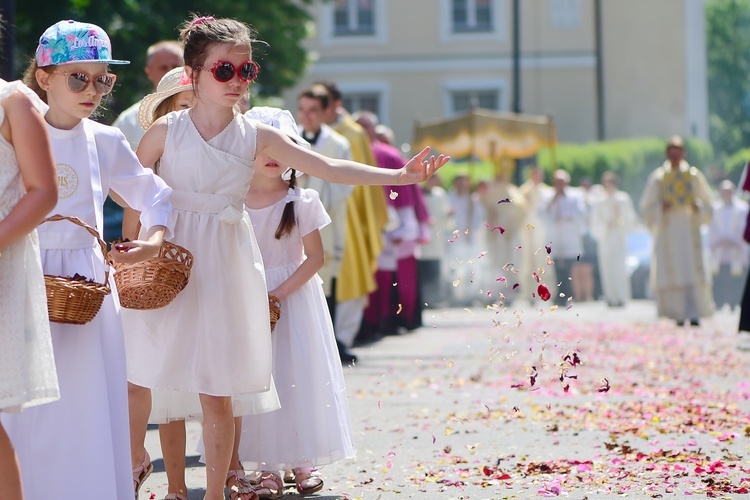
(161, 58)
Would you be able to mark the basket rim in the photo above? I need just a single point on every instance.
(102, 246)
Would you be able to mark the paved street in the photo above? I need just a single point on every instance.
(588, 402)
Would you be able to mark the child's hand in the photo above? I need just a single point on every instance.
(279, 293)
(132, 252)
(419, 169)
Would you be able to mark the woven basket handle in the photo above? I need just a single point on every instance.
(91, 230)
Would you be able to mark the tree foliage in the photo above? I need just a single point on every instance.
(728, 47)
(133, 25)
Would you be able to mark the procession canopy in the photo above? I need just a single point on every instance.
(487, 135)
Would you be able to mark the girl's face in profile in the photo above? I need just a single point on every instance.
(183, 100)
(266, 166)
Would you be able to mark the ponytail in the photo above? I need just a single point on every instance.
(288, 220)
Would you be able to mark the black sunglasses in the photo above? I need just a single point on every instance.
(224, 71)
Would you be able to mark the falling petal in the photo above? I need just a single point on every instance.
(393, 195)
(543, 292)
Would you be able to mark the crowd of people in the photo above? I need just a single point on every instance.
(322, 214)
(87, 391)
(497, 238)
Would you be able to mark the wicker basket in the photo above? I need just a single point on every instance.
(155, 282)
(72, 301)
(274, 308)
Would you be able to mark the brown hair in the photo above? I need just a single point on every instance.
(29, 78)
(164, 107)
(288, 220)
(318, 92)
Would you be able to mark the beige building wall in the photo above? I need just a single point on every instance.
(654, 74)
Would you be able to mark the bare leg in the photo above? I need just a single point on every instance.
(10, 472)
(173, 442)
(587, 276)
(576, 283)
(139, 401)
(218, 437)
(239, 480)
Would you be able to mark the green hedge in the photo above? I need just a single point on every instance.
(632, 159)
(734, 164)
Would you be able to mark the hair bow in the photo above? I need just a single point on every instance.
(202, 20)
(292, 195)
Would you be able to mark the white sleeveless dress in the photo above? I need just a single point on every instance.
(313, 426)
(27, 365)
(214, 338)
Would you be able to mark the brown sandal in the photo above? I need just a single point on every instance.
(307, 482)
(141, 473)
(242, 485)
(271, 486)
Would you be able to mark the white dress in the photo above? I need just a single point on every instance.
(89, 424)
(313, 426)
(27, 365)
(215, 337)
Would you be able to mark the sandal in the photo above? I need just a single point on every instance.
(289, 477)
(307, 482)
(271, 486)
(175, 496)
(141, 473)
(241, 486)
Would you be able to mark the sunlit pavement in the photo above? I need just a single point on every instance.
(527, 402)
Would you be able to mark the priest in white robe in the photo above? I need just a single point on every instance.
(612, 218)
(676, 202)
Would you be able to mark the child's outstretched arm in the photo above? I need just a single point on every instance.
(314, 260)
(25, 129)
(278, 146)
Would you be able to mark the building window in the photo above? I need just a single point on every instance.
(354, 17)
(565, 14)
(465, 100)
(362, 101)
(472, 16)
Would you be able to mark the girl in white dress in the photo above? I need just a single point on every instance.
(28, 191)
(79, 445)
(313, 426)
(212, 344)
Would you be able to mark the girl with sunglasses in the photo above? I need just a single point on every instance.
(210, 349)
(80, 444)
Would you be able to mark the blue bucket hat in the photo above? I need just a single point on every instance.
(68, 42)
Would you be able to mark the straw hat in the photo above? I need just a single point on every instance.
(174, 82)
